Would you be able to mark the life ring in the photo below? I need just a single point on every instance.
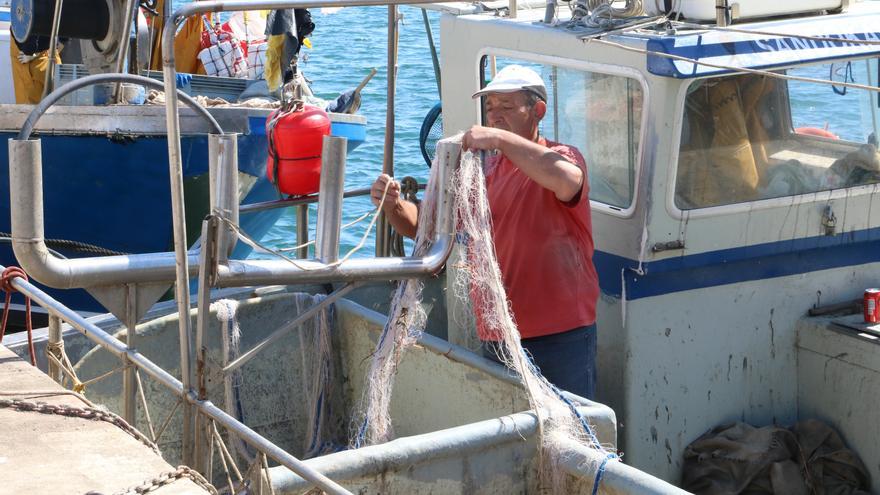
(815, 131)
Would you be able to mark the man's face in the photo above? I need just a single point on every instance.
(512, 112)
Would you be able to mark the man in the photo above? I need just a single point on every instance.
(538, 196)
(30, 61)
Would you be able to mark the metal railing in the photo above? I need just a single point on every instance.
(58, 313)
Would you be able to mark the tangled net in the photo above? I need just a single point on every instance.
(477, 279)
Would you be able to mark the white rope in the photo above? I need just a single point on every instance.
(260, 247)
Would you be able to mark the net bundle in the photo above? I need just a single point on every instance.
(478, 280)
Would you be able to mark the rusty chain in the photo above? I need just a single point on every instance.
(170, 477)
(80, 412)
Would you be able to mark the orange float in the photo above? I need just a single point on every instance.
(295, 142)
(815, 131)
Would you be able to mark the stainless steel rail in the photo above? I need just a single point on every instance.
(120, 350)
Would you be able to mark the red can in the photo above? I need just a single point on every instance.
(871, 305)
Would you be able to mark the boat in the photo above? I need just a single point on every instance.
(113, 198)
(733, 183)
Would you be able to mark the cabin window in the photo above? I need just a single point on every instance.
(750, 137)
(600, 115)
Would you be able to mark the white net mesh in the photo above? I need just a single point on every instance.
(479, 279)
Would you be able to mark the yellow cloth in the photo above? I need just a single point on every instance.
(721, 167)
(272, 69)
(29, 79)
(187, 43)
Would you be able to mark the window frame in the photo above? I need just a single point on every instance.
(605, 69)
(760, 204)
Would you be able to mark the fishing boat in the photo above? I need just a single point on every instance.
(733, 167)
(112, 198)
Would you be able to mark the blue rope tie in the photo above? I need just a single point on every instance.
(601, 471)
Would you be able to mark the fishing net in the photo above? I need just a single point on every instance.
(477, 279)
(318, 373)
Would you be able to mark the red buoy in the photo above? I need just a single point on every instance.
(295, 141)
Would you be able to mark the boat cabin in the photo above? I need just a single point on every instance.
(725, 205)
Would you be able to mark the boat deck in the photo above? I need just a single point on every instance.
(52, 453)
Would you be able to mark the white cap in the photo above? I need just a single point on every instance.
(515, 78)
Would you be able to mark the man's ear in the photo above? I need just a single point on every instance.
(540, 109)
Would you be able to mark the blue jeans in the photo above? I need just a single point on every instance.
(567, 359)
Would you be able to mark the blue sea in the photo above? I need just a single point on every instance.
(346, 44)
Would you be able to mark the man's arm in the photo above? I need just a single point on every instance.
(401, 214)
(546, 167)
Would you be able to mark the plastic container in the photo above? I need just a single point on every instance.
(132, 94)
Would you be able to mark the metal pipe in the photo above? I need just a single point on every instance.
(223, 172)
(383, 230)
(299, 320)
(207, 263)
(124, 42)
(129, 383)
(302, 231)
(330, 199)
(55, 341)
(119, 349)
(241, 273)
(49, 78)
(619, 479)
(722, 13)
(549, 11)
(194, 8)
(178, 216)
(303, 200)
(28, 239)
(435, 61)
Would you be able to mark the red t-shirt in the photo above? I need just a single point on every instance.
(544, 248)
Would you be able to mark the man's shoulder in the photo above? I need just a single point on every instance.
(571, 152)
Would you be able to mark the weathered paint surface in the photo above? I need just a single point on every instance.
(682, 367)
(839, 383)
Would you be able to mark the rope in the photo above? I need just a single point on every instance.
(6, 285)
(243, 236)
(79, 412)
(55, 352)
(265, 464)
(169, 477)
(601, 472)
(168, 420)
(140, 385)
(224, 453)
(83, 247)
(735, 69)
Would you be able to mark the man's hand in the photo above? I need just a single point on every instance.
(25, 59)
(482, 138)
(401, 214)
(392, 196)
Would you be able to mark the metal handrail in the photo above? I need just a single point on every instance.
(135, 358)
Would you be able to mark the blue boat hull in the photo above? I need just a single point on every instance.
(113, 192)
